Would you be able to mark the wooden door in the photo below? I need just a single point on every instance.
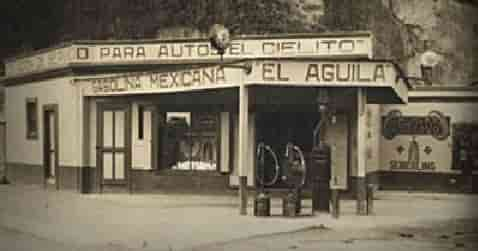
(50, 145)
(113, 144)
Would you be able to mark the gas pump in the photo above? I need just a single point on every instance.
(320, 162)
(261, 174)
(262, 202)
(293, 175)
(293, 167)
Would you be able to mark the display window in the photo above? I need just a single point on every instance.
(191, 140)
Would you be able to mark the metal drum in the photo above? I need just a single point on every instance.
(320, 170)
(262, 205)
(289, 204)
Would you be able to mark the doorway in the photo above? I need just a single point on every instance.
(50, 145)
(276, 129)
(113, 145)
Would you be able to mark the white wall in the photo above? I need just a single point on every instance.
(373, 138)
(54, 91)
(250, 169)
(141, 148)
(441, 153)
(336, 136)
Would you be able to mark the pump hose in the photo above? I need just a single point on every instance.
(302, 164)
(260, 163)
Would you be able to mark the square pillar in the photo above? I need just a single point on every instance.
(361, 150)
(243, 146)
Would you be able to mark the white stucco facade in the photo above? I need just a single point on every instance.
(58, 91)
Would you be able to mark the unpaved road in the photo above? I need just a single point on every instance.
(446, 235)
(449, 235)
(36, 219)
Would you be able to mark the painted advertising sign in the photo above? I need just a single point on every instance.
(160, 82)
(40, 62)
(323, 73)
(435, 124)
(415, 157)
(421, 139)
(239, 49)
(193, 51)
(311, 74)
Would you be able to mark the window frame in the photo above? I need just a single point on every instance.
(31, 130)
(193, 131)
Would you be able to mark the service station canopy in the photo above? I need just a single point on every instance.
(312, 60)
(379, 77)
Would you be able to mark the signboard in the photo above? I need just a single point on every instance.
(193, 51)
(40, 62)
(323, 73)
(162, 82)
(435, 124)
(289, 73)
(239, 49)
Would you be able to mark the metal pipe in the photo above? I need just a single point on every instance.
(318, 128)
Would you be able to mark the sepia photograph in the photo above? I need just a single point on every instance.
(223, 125)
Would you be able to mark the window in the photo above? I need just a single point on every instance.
(32, 118)
(140, 122)
(191, 141)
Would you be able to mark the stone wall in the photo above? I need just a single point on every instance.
(403, 29)
(447, 27)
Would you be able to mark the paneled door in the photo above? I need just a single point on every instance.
(113, 144)
(50, 145)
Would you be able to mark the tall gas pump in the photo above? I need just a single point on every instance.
(293, 175)
(320, 159)
(262, 202)
(293, 167)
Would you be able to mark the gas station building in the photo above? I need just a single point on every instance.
(153, 115)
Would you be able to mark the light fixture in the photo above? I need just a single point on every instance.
(220, 39)
(428, 60)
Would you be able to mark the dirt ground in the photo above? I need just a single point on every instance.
(32, 218)
(445, 235)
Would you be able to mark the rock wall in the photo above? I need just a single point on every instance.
(403, 29)
(447, 27)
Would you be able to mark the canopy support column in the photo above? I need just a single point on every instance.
(243, 146)
(361, 150)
